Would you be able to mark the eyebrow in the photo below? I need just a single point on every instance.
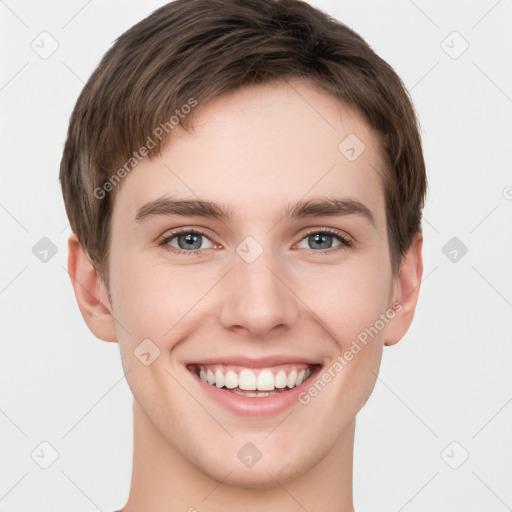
(318, 207)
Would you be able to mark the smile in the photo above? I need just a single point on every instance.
(254, 382)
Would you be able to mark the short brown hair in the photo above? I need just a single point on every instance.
(201, 49)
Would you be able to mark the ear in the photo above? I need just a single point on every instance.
(406, 289)
(90, 292)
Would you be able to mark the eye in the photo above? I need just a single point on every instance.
(187, 241)
(323, 239)
(191, 241)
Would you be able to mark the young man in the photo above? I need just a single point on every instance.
(244, 180)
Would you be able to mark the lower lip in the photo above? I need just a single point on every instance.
(255, 406)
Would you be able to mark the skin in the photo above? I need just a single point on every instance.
(256, 150)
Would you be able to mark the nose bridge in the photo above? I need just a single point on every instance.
(258, 298)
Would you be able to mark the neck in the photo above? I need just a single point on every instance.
(164, 481)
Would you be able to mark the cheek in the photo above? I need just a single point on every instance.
(350, 309)
(348, 299)
(155, 301)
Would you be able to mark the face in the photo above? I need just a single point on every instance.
(246, 260)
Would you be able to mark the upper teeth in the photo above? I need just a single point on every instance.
(248, 380)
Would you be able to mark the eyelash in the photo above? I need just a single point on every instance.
(345, 242)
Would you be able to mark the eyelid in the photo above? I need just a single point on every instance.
(330, 231)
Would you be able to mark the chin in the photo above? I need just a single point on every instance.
(266, 473)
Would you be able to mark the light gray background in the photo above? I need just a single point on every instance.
(448, 380)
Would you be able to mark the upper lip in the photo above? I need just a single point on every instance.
(249, 362)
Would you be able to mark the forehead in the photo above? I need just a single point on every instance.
(260, 147)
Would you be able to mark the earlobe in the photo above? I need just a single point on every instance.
(90, 292)
(407, 287)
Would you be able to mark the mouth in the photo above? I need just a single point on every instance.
(254, 382)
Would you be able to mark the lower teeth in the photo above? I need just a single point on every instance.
(253, 393)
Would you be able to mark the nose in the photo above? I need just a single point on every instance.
(259, 298)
